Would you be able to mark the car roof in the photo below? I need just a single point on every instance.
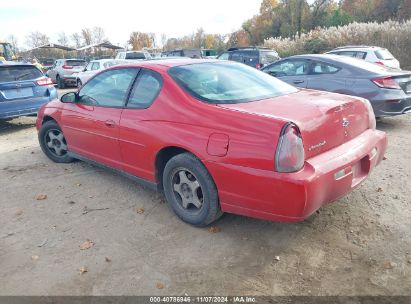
(356, 47)
(327, 57)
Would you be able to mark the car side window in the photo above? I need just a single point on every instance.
(145, 90)
(348, 53)
(95, 66)
(224, 56)
(236, 56)
(289, 68)
(324, 68)
(361, 55)
(108, 89)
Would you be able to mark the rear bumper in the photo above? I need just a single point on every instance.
(392, 105)
(22, 107)
(293, 197)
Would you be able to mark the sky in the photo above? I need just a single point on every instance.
(175, 18)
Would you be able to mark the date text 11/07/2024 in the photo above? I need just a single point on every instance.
(203, 299)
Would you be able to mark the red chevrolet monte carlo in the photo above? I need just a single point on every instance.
(217, 137)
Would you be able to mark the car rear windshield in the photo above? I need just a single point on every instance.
(268, 57)
(228, 82)
(135, 55)
(18, 73)
(384, 54)
(76, 62)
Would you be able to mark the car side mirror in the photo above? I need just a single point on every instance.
(70, 97)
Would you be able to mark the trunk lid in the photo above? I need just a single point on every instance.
(326, 120)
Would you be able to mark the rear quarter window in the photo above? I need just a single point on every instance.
(19, 73)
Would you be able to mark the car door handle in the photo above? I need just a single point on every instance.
(110, 123)
(298, 81)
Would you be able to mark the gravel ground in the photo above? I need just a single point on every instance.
(78, 230)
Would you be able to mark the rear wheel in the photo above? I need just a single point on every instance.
(53, 142)
(60, 82)
(190, 190)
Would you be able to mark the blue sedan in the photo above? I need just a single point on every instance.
(23, 89)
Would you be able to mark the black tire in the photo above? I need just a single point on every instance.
(79, 83)
(207, 191)
(51, 127)
(60, 82)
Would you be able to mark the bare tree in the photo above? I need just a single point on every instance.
(98, 35)
(163, 40)
(76, 38)
(87, 36)
(36, 39)
(62, 39)
(14, 42)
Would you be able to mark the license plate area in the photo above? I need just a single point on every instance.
(17, 93)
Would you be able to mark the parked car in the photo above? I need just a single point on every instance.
(216, 137)
(23, 89)
(133, 55)
(388, 90)
(93, 68)
(188, 53)
(47, 63)
(62, 70)
(253, 56)
(372, 54)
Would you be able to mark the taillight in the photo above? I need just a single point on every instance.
(44, 82)
(67, 67)
(379, 62)
(372, 124)
(290, 150)
(258, 66)
(386, 83)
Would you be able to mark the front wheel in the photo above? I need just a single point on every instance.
(190, 190)
(53, 142)
(79, 83)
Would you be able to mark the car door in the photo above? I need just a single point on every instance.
(135, 128)
(91, 124)
(326, 77)
(292, 71)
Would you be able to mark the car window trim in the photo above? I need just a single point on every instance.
(136, 81)
(127, 92)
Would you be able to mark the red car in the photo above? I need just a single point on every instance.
(216, 137)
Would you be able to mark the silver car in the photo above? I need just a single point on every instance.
(62, 70)
(94, 67)
(372, 54)
(388, 90)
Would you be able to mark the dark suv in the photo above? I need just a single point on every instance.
(252, 56)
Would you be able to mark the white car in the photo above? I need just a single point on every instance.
(93, 68)
(372, 54)
(134, 55)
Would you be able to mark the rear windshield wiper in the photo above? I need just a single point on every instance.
(21, 76)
